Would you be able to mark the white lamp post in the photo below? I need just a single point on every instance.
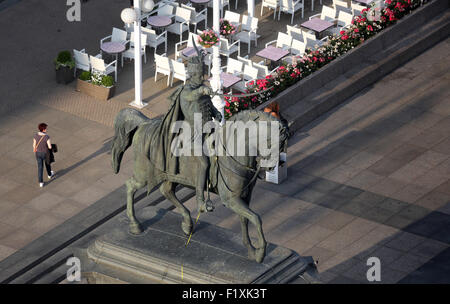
(129, 15)
(216, 83)
(251, 7)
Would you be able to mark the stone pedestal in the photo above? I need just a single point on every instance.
(160, 255)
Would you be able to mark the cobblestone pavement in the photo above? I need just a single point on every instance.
(369, 179)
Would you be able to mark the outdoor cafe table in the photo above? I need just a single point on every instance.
(190, 51)
(159, 22)
(228, 79)
(317, 25)
(272, 53)
(113, 47)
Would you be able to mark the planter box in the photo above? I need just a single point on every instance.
(64, 75)
(95, 91)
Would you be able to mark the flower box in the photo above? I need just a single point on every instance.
(96, 91)
(64, 75)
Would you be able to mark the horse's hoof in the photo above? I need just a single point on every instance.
(260, 254)
(136, 229)
(251, 253)
(209, 206)
(187, 229)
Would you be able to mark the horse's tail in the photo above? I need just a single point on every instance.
(125, 125)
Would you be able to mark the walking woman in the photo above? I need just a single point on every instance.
(41, 145)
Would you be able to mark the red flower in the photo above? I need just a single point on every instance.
(369, 27)
(345, 37)
(356, 30)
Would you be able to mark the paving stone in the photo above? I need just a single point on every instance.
(347, 192)
(408, 263)
(309, 195)
(444, 187)
(364, 180)
(378, 215)
(430, 159)
(313, 235)
(323, 185)
(358, 139)
(332, 201)
(319, 166)
(426, 120)
(409, 173)
(429, 248)
(43, 223)
(428, 138)
(393, 205)
(391, 276)
(433, 200)
(386, 255)
(387, 166)
(6, 207)
(363, 160)
(335, 220)
(406, 152)
(410, 193)
(19, 217)
(338, 264)
(18, 239)
(45, 201)
(405, 241)
(443, 146)
(342, 173)
(388, 186)
(347, 235)
(6, 251)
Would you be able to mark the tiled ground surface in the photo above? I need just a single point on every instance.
(369, 179)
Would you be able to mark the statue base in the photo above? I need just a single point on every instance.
(160, 255)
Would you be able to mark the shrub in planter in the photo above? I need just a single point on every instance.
(96, 85)
(64, 65)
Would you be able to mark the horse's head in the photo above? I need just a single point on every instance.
(269, 139)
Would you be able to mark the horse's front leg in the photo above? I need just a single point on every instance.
(242, 209)
(132, 187)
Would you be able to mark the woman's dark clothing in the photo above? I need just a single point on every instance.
(40, 157)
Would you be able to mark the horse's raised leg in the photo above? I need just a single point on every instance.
(132, 187)
(241, 208)
(167, 189)
(246, 238)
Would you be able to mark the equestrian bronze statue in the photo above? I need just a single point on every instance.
(232, 177)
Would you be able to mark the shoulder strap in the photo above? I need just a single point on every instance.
(37, 145)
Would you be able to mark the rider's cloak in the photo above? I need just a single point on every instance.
(161, 154)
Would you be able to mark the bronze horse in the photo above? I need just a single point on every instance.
(234, 176)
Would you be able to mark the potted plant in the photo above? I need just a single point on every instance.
(96, 85)
(64, 65)
(226, 28)
(208, 38)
